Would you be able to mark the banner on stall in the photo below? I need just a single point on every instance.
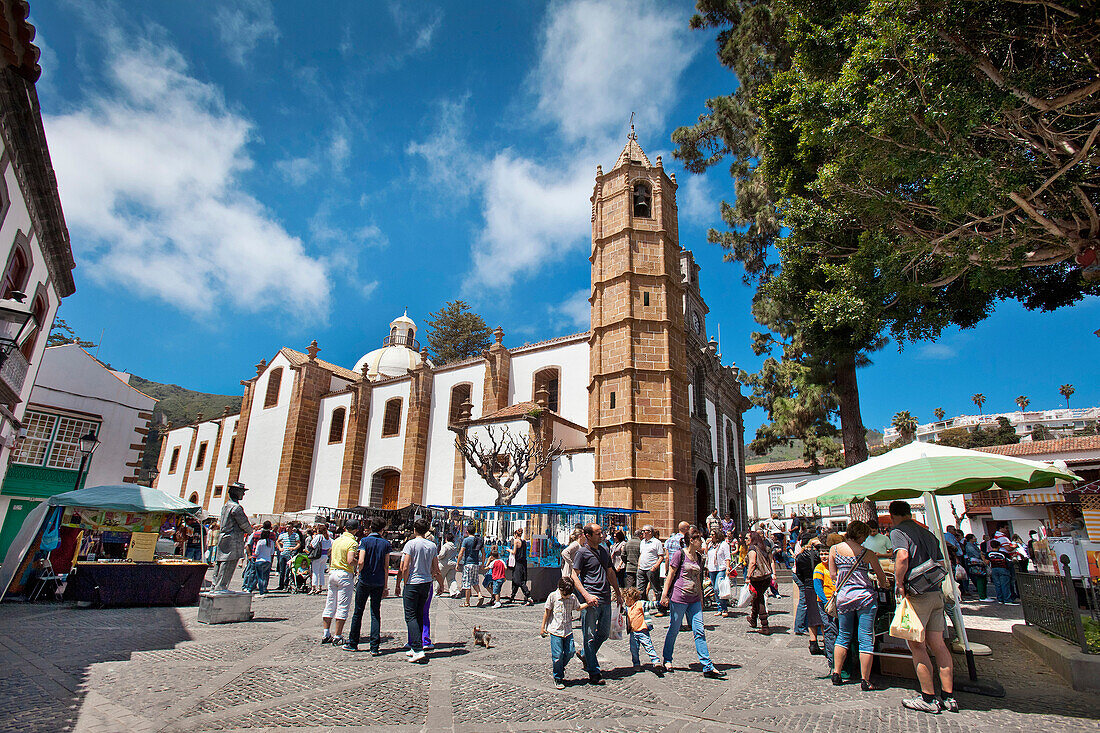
(103, 519)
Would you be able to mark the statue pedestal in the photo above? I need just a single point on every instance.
(225, 607)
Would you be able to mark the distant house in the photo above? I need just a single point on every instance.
(73, 395)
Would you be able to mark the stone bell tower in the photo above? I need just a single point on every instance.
(639, 420)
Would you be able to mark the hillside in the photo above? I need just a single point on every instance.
(794, 450)
(180, 406)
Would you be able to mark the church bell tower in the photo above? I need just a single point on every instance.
(639, 423)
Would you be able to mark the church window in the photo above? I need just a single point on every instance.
(611, 401)
(391, 419)
(643, 200)
(645, 298)
(232, 445)
(175, 460)
(729, 445)
(336, 427)
(460, 394)
(200, 459)
(218, 492)
(700, 392)
(5, 198)
(548, 379)
(274, 379)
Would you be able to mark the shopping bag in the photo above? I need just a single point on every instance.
(960, 573)
(745, 597)
(724, 590)
(906, 624)
(618, 624)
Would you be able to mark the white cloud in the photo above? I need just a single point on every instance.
(149, 174)
(600, 60)
(339, 150)
(297, 171)
(937, 352)
(576, 310)
(451, 161)
(697, 203)
(242, 25)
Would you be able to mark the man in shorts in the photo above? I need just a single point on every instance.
(913, 545)
(469, 559)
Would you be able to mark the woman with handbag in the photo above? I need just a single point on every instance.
(683, 594)
(758, 573)
(618, 562)
(804, 564)
(855, 600)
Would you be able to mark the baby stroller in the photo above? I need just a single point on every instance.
(301, 571)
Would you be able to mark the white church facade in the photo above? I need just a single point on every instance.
(645, 412)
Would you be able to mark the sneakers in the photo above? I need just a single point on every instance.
(714, 674)
(338, 641)
(417, 657)
(595, 679)
(921, 705)
(373, 652)
(949, 704)
(327, 639)
(409, 653)
(869, 686)
(559, 683)
(497, 605)
(351, 648)
(837, 679)
(528, 602)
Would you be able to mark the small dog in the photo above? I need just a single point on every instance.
(482, 638)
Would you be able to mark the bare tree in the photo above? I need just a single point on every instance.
(507, 462)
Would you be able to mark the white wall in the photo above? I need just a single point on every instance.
(573, 475)
(384, 452)
(170, 483)
(328, 459)
(221, 466)
(475, 491)
(207, 432)
(439, 470)
(264, 445)
(572, 361)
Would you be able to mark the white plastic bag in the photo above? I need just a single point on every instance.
(724, 589)
(618, 625)
(745, 598)
(906, 623)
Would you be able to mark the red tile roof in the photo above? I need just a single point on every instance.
(511, 411)
(777, 466)
(297, 358)
(1037, 447)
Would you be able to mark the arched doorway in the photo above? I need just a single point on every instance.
(383, 489)
(194, 498)
(702, 500)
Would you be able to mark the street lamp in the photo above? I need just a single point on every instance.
(88, 444)
(15, 318)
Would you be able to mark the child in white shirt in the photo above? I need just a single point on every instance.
(557, 621)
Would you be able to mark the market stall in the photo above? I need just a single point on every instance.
(101, 544)
(546, 529)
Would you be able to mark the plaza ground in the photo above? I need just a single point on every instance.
(158, 669)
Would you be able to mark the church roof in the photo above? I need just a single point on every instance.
(297, 358)
(632, 152)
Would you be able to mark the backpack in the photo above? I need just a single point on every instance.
(316, 552)
(926, 567)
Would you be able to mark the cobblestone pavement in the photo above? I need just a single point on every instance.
(158, 669)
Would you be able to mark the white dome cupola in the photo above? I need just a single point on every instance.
(399, 355)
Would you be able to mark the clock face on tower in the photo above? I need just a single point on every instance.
(697, 323)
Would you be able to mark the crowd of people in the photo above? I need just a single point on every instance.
(618, 585)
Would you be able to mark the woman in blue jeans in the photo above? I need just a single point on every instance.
(262, 554)
(683, 593)
(851, 565)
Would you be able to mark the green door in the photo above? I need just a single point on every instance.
(18, 509)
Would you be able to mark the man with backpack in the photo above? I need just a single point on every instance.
(918, 571)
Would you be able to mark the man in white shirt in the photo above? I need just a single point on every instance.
(877, 542)
(652, 553)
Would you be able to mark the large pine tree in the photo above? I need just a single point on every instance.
(455, 333)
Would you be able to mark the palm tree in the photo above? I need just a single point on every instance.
(906, 425)
(979, 400)
(939, 413)
(1023, 402)
(1066, 390)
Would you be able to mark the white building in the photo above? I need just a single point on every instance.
(74, 395)
(648, 416)
(1062, 420)
(34, 241)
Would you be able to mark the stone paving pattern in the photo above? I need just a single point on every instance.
(158, 669)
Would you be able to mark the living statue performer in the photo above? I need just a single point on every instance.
(234, 528)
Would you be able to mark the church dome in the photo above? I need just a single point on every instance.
(399, 355)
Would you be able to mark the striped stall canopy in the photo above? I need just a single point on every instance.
(1037, 498)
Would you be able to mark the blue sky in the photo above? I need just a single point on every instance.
(240, 176)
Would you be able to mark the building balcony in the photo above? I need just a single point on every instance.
(13, 373)
(402, 340)
(987, 499)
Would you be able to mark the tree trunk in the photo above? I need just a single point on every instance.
(852, 431)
